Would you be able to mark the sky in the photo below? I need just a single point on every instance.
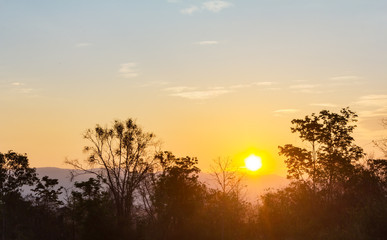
(210, 78)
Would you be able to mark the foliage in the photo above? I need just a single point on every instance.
(91, 210)
(14, 173)
(46, 194)
(329, 161)
(138, 195)
(332, 195)
(178, 196)
(121, 156)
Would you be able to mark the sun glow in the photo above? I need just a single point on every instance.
(253, 163)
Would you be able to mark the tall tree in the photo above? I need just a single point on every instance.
(15, 172)
(91, 208)
(328, 162)
(227, 203)
(178, 197)
(120, 156)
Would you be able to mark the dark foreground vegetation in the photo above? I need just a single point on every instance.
(140, 192)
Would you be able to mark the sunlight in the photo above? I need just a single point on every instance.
(253, 163)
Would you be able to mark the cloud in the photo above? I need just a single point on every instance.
(17, 84)
(178, 89)
(323, 104)
(193, 93)
(155, 83)
(216, 6)
(288, 110)
(190, 10)
(201, 95)
(373, 106)
(345, 78)
(85, 44)
(212, 6)
(376, 113)
(208, 43)
(303, 86)
(263, 83)
(373, 100)
(128, 70)
(26, 90)
(251, 85)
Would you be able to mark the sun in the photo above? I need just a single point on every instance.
(253, 163)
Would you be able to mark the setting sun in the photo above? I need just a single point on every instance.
(253, 163)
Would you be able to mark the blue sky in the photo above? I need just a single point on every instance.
(231, 72)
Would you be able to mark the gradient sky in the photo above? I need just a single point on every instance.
(209, 78)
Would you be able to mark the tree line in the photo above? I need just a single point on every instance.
(141, 192)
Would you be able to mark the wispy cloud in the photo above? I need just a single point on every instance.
(20, 87)
(287, 110)
(264, 83)
(189, 10)
(303, 86)
(216, 6)
(323, 104)
(26, 90)
(195, 93)
(201, 95)
(374, 105)
(128, 70)
(178, 89)
(247, 85)
(207, 42)
(83, 44)
(379, 113)
(211, 6)
(155, 83)
(373, 100)
(345, 78)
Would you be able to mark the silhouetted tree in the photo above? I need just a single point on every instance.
(14, 174)
(227, 204)
(178, 198)
(90, 207)
(330, 160)
(47, 193)
(332, 196)
(382, 143)
(120, 156)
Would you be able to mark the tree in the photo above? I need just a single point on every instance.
(329, 161)
(226, 199)
(178, 197)
(47, 193)
(90, 207)
(226, 175)
(382, 143)
(14, 174)
(120, 156)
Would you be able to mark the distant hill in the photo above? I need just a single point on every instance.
(255, 185)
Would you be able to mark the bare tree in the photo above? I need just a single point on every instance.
(228, 179)
(121, 156)
(382, 143)
(226, 175)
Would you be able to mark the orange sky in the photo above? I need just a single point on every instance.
(209, 78)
